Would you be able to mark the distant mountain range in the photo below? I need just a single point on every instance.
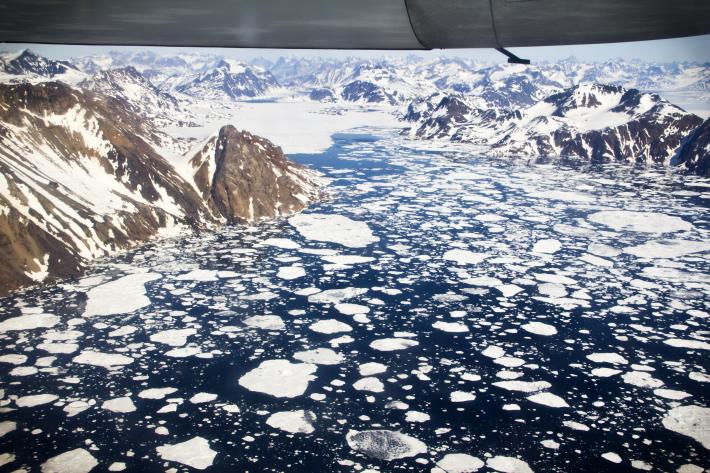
(598, 123)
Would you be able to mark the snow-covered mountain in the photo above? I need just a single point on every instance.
(141, 95)
(599, 123)
(82, 175)
(228, 79)
(365, 82)
(26, 66)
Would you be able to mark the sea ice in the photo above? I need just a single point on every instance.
(452, 327)
(119, 404)
(290, 273)
(539, 328)
(320, 356)
(465, 257)
(548, 246)
(195, 453)
(105, 360)
(508, 465)
(460, 463)
(73, 461)
(122, 296)
(370, 384)
(173, 337)
(35, 400)
(333, 229)
(265, 322)
(330, 326)
(295, 422)
(693, 421)
(644, 222)
(385, 444)
(548, 399)
(279, 378)
(28, 322)
(392, 344)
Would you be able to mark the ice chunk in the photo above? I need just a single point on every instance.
(548, 246)
(35, 400)
(319, 356)
(462, 396)
(459, 463)
(523, 386)
(28, 322)
(548, 399)
(539, 328)
(508, 465)
(121, 296)
(385, 444)
(290, 273)
(393, 344)
(119, 404)
(371, 384)
(330, 326)
(173, 337)
(613, 358)
(105, 360)
(279, 378)
(644, 222)
(452, 327)
(333, 229)
(295, 422)
(265, 322)
(465, 257)
(195, 453)
(693, 421)
(73, 461)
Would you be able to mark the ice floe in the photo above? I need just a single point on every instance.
(319, 356)
(645, 222)
(459, 463)
(693, 421)
(78, 460)
(122, 296)
(195, 453)
(279, 378)
(393, 344)
(295, 422)
(385, 444)
(333, 229)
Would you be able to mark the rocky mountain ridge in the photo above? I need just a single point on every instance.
(595, 122)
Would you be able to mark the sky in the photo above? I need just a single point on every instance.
(695, 48)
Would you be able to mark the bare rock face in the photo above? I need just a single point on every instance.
(245, 178)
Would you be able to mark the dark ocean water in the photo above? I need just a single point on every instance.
(421, 204)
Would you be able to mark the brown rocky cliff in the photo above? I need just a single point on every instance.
(246, 178)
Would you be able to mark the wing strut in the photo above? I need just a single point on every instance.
(512, 58)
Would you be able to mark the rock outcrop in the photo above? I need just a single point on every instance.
(246, 178)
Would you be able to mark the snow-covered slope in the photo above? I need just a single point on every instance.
(143, 97)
